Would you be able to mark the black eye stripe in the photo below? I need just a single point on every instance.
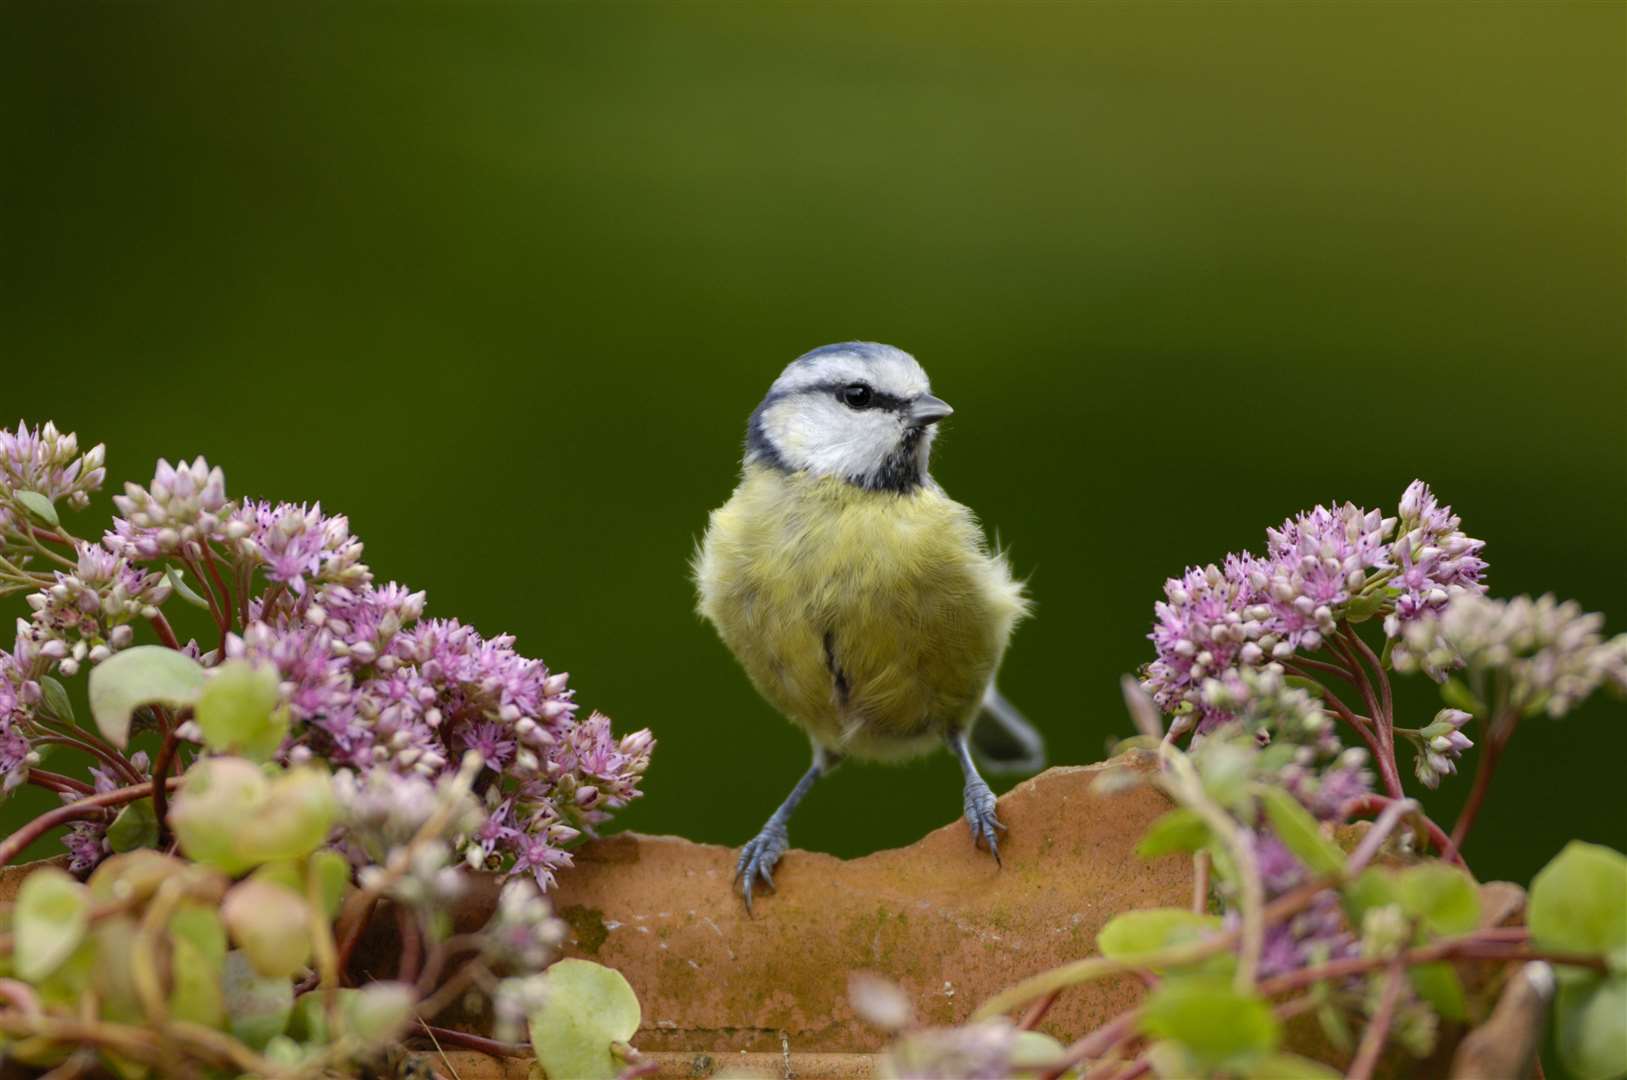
(878, 399)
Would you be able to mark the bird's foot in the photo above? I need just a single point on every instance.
(980, 808)
(758, 857)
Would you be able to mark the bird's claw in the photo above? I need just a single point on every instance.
(758, 857)
(980, 807)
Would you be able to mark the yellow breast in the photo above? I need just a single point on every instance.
(872, 619)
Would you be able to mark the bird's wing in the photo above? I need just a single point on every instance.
(1006, 743)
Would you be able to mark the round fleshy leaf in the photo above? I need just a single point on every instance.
(309, 1021)
(1373, 888)
(133, 876)
(1218, 1027)
(1035, 1052)
(1443, 898)
(1590, 1027)
(1299, 832)
(587, 1008)
(1179, 830)
(240, 711)
(135, 827)
(1439, 985)
(331, 872)
(257, 1008)
(197, 960)
(271, 925)
(143, 675)
(219, 798)
(298, 814)
(380, 1011)
(49, 922)
(1136, 934)
(1579, 901)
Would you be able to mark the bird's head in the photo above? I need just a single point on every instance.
(860, 411)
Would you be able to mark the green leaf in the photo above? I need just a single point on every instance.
(231, 815)
(1443, 898)
(1298, 830)
(54, 702)
(587, 1008)
(197, 961)
(239, 711)
(1218, 1026)
(114, 975)
(1136, 934)
(271, 924)
(1373, 888)
(50, 920)
(1290, 1067)
(1590, 1027)
(1226, 769)
(1035, 1053)
(309, 1021)
(135, 827)
(1579, 901)
(39, 506)
(1180, 829)
(1439, 985)
(379, 1011)
(331, 872)
(185, 591)
(257, 1008)
(132, 877)
(143, 675)
(1364, 607)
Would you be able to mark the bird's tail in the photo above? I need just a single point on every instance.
(1006, 743)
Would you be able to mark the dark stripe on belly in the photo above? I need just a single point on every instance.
(836, 673)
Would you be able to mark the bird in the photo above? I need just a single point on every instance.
(866, 605)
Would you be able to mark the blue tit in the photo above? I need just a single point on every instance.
(865, 604)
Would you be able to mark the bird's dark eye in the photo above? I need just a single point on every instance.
(855, 395)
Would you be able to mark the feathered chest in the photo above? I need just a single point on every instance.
(856, 609)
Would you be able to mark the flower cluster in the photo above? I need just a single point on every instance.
(369, 683)
(1553, 653)
(1440, 745)
(1322, 567)
(91, 608)
(46, 462)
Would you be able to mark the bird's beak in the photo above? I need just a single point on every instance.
(927, 409)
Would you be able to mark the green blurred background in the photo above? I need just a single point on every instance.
(503, 282)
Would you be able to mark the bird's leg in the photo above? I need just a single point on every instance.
(979, 799)
(758, 857)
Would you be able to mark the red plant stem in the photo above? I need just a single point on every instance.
(1324, 666)
(161, 764)
(1383, 752)
(1036, 1012)
(58, 782)
(14, 844)
(208, 591)
(166, 633)
(1498, 732)
(411, 945)
(1097, 1043)
(95, 748)
(1378, 1029)
(1379, 677)
(245, 578)
(352, 934)
(225, 593)
(1377, 804)
(478, 1043)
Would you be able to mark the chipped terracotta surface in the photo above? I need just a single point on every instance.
(939, 917)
